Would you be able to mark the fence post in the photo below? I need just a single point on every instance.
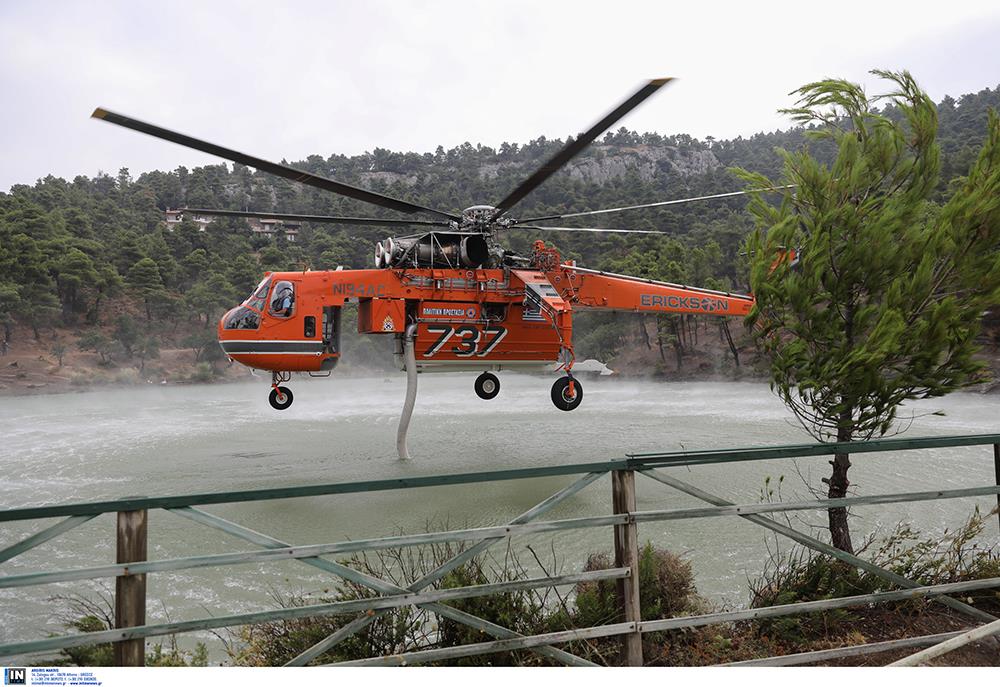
(130, 590)
(996, 469)
(627, 555)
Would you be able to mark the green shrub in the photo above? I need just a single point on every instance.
(666, 590)
(89, 615)
(804, 575)
(522, 611)
(401, 629)
(203, 372)
(276, 643)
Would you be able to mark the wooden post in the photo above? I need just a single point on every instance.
(130, 590)
(996, 468)
(627, 556)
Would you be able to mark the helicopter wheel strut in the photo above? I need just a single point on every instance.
(487, 386)
(567, 393)
(281, 396)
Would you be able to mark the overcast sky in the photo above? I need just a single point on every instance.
(290, 79)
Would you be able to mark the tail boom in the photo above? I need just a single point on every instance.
(609, 291)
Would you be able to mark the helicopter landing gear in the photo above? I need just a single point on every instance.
(567, 393)
(487, 386)
(281, 396)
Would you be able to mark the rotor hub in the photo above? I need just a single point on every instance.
(477, 215)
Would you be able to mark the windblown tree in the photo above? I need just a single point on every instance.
(883, 301)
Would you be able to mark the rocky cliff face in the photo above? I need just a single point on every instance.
(599, 165)
(648, 162)
(606, 163)
(389, 178)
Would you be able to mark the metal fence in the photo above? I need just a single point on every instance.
(132, 566)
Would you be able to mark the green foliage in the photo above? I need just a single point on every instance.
(145, 281)
(804, 575)
(205, 346)
(885, 299)
(807, 578)
(523, 611)
(173, 657)
(156, 657)
(85, 614)
(95, 655)
(9, 299)
(203, 372)
(146, 348)
(59, 350)
(399, 629)
(598, 334)
(666, 589)
(127, 334)
(210, 296)
(96, 341)
(75, 276)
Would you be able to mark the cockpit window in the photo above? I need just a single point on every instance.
(262, 288)
(242, 318)
(259, 297)
(283, 299)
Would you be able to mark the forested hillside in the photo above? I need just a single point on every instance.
(89, 268)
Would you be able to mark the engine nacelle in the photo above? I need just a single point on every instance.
(436, 249)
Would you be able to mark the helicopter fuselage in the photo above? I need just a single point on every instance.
(460, 319)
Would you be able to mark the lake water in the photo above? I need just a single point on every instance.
(175, 440)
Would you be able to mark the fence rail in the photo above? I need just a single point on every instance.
(132, 565)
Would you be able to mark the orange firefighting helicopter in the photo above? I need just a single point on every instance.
(452, 296)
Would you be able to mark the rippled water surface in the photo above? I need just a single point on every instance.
(175, 440)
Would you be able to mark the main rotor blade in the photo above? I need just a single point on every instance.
(370, 221)
(655, 205)
(592, 229)
(571, 149)
(271, 167)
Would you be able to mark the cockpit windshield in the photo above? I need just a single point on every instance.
(241, 317)
(259, 297)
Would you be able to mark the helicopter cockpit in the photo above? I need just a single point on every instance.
(274, 303)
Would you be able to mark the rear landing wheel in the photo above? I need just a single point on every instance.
(280, 398)
(487, 386)
(562, 397)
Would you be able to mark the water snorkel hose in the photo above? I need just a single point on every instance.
(410, 359)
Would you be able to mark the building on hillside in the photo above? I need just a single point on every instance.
(273, 227)
(174, 217)
(258, 227)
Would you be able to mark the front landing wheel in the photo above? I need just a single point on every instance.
(280, 398)
(562, 397)
(487, 386)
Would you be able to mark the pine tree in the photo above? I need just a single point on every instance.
(884, 300)
(144, 279)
